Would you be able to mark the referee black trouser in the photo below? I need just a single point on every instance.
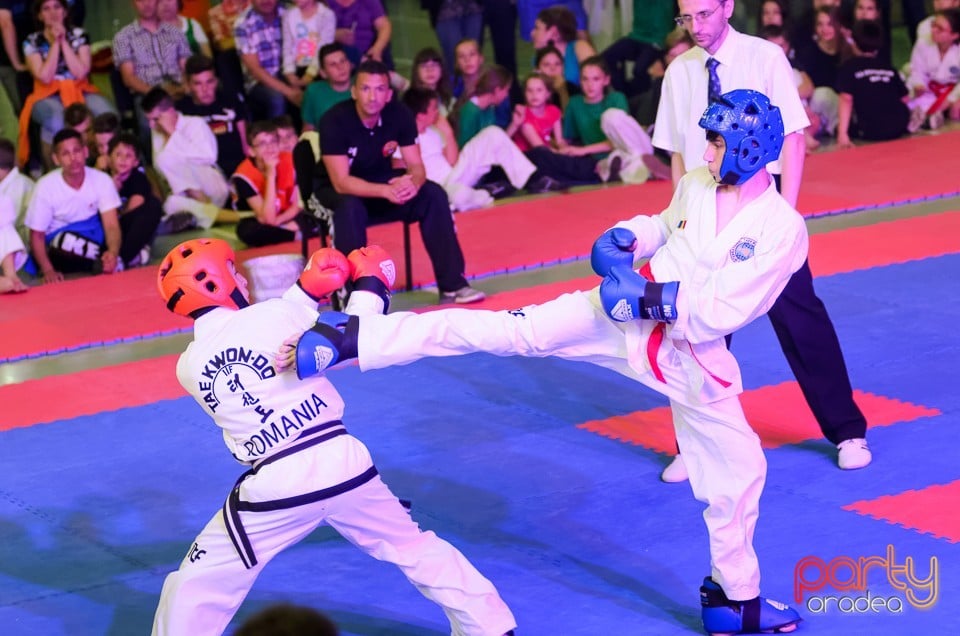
(810, 343)
(430, 209)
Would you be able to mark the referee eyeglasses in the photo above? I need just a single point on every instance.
(686, 20)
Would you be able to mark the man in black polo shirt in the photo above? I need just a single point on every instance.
(226, 114)
(357, 181)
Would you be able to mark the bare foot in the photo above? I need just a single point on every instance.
(12, 285)
(812, 143)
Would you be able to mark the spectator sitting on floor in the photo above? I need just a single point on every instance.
(104, 127)
(364, 29)
(935, 73)
(265, 183)
(258, 34)
(307, 26)
(820, 104)
(597, 123)
(15, 192)
(335, 69)
(140, 209)
(13, 253)
(542, 120)
(480, 110)
(169, 12)
(469, 66)
(872, 95)
(287, 620)
(72, 215)
(15, 185)
(458, 171)
(557, 25)
(185, 154)
(549, 62)
(428, 72)
(286, 133)
(58, 57)
(225, 113)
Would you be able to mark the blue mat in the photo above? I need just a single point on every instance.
(575, 530)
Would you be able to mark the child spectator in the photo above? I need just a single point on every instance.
(772, 13)
(480, 110)
(642, 47)
(597, 122)
(105, 126)
(286, 133)
(320, 96)
(459, 171)
(265, 183)
(557, 25)
(15, 190)
(307, 26)
(58, 57)
(549, 62)
(872, 95)
(819, 103)
(140, 210)
(169, 11)
(15, 185)
(469, 65)
(185, 154)
(225, 112)
(924, 30)
(13, 253)
(644, 106)
(870, 10)
(364, 29)
(542, 121)
(428, 73)
(935, 72)
(72, 215)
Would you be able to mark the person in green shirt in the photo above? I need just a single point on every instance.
(597, 123)
(480, 111)
(335, 68)
(643, 46)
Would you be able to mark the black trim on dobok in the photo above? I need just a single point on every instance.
(234, 505)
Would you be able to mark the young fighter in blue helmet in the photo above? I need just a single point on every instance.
(713, 261)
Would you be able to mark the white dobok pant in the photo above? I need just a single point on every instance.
(722, 453)
(273, 508)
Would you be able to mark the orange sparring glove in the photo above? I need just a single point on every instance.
(372, 260)
(372, 270)
(326, 272)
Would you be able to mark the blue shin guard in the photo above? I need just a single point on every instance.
(758, 616)
(333, 339)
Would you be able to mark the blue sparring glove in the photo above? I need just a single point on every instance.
(333, 339)
(626, 295)
(615, 247)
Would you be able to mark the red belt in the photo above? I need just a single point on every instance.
(942, 91)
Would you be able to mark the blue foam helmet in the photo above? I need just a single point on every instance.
(751, 128)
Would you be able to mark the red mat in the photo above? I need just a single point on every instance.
(89, 392)
(931, 510)
(107, 309)
(778, 414)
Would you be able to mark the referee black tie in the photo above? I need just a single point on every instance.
(714, 91)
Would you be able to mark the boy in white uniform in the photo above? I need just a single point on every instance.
(720, 255)
(305, 469)
(185, 153)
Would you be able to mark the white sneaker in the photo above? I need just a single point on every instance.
(676, 472)
(463, 296)
(853, 454)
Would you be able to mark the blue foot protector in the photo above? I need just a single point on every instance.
(722, 616)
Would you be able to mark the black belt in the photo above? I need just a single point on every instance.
(233, 505)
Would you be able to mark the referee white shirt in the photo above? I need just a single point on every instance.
(745, 62)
